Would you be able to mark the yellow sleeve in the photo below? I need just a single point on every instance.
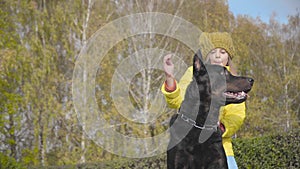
(174, 99)
(232, 116)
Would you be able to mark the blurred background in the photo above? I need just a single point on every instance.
(41, 41)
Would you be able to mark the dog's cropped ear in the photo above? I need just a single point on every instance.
(198, 61)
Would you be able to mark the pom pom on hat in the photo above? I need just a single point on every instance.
(210, 41)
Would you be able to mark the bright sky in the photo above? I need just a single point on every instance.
(265, 8)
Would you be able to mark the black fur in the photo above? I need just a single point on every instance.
(203, 99)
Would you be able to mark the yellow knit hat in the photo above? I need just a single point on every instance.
(210, 41)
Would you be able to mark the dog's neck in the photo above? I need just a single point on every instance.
(211, 114)
(201, 100)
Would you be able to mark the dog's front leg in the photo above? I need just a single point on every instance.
(178, 158)
(171, 154)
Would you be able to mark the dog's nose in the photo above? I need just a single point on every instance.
(251, 81)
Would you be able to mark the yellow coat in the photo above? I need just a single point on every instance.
(232, 115)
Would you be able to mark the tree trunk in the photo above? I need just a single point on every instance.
(41, 140)
(286, 102)
(84, 41)
(13, 147)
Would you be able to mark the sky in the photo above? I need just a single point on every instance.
(265, 8)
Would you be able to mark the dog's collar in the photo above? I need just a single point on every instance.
(193, 123)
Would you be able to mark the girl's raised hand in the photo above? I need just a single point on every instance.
(168, 66)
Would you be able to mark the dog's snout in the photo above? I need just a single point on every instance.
(251, 81)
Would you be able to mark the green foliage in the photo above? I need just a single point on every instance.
(7, 162)
(274, 151)
(29, 157)
(157, 162)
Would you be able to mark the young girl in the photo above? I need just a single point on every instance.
(218, 49)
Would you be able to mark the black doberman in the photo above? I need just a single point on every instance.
(196, 139)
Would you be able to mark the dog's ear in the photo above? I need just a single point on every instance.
(198, 61)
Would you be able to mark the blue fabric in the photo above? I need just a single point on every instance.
(231, 162)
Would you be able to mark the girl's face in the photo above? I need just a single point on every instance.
(218, 56)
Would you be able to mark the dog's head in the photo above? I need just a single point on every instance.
(220, 83)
